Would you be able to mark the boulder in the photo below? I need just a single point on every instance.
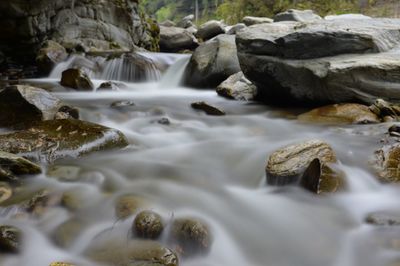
(235, 28)
(297, 15)
(148, 224)
(49, 56)
(168, 23)
(248, 20)
(123, 253)
(108, 86)
(76, 79)
(290, 165)
(13, 165)
(10, 239)
(128, 205)
(208, 109)
(191, 236)
(186, 22)
(22, 105)
(237, 87)
(323, 61)
(6, 192)
(346, 113)
(174, 39)
(210, 29)
(212, 63)
(385, 110)
(54, 139)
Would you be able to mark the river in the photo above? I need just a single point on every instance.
(185, 163)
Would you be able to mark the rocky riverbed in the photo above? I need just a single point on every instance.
(271, 142)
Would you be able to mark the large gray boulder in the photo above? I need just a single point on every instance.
(323, 61)
(210, 29)
(174, 39)
(99, 24)
(212, 62)
(296, 15)
(248, 20)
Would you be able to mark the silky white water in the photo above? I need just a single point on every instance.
(213, 168)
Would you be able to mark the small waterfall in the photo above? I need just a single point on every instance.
(128, 67)
(174, 75)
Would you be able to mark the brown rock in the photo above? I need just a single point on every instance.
(208, 109)
(76, 79)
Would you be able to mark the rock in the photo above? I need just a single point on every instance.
(347, 113)
(128, 205)
(168, 23)
(297, 15)
(122, 104)
(49, 56)
(383, 219)
(386, 162)
(236, 28)
(41, 201)
(289, 165)
(148, 224)
(347, 16)
(210, 29)
(55, 139)
(123, 253)
(186, 22)
(15, 166)
(22, 105)
(67, 112)
(394, 131)
(191, 236)
(6, 192)
(237, 87)
(95, 24)
(212, 63)
(76, 79)
(66, 173)
(323, 61)
(208, 109)
(66, 233)
(385, 109)
(108, 86)
(10, 239)
(164, 121)
(248, 20)
(174, 39)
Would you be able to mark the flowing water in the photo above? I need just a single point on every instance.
(213, 168)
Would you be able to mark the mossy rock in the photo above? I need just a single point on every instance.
(148, 224)
(191, 236)
(51, 140)
(10, 239)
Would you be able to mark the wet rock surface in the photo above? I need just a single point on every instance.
(341, 114)
(208, 109)
(128, 205)
(210, 29)
(212, 63)
(50, 55)
(16, 166)
(54, 139)
(293, 165)
(383, 219)
(148, 224)
(386, 162)
(76, 79)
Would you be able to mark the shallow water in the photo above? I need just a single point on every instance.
(213, 168)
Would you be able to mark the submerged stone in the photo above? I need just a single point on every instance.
(10, 239)
(295, 165)
(132, 253)
(383, 219)
(208, 109)
(55, 139)
(128, 205)
(148, 224)
(191, 236)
